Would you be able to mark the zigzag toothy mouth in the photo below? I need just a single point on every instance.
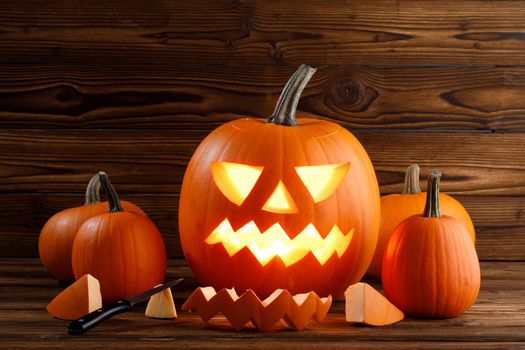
(274, 242)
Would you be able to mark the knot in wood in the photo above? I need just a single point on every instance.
(346, 92)
(66, 93)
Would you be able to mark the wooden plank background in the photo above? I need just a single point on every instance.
(131, 87)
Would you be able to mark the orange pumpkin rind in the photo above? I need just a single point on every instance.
(397, 207)
(250, 221)
(161, 305)
(365, 305)
(295, 311)
(77, 300)
(56, 238)
(430, 266)
(123, 250)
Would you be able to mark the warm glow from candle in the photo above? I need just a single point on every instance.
(274, 242)
(322, 180)
(280, 201)
(235, 181)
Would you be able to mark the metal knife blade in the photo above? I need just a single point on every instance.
(145, 295)
(92, 319)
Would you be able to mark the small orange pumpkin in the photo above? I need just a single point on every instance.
(57, 235)
(281, 203)
(397, 207)
(430, 267)
(123, 250)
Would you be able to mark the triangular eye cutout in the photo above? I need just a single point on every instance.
(280, 201)
(322, 180)
(235, 181)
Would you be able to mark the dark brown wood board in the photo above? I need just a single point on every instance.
(199, 96)
(264, 32)
(495, 321)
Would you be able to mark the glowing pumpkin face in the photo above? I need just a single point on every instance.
(266, 206)
(236, 182)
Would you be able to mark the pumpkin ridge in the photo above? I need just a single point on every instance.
(326, 160)
(103, 247)
(341, 217)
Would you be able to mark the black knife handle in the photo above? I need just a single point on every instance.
(94, 318)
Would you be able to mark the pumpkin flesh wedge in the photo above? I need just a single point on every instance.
(77, 300)
(364, 304)
(161, 305)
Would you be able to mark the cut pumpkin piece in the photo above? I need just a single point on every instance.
(161, 305)
(302, 310)
(294, 311)
(77, 300)
(366, 305)
(240, 310)
(272, 309)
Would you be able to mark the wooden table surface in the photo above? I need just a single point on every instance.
(496, 321)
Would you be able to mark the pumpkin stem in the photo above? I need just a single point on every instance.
(114, 202)
(432, 204)
(93, 191)
(284, 113)
(412, 180)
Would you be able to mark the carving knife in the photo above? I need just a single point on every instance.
(94, 318)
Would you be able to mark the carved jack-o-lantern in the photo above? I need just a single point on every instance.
(280, 203)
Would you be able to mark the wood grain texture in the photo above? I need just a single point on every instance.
(264, 32)
(495, 321)
(203, 96)
(41, 170)
(144, 161)
(131, 87)
(499, 222)
(24, 215)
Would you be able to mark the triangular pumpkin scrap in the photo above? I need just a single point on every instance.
(272, 309)
(364, 304)
(238, 310)
(301, 310)
(77, 300)
(161, 305)
(200, 300)
(323, 305)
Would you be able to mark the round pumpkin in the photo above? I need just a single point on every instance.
(280, 203)
(430, 266)
(122, 249)
(397, 207)
(57, 235)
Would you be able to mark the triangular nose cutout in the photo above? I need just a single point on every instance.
(280, 201)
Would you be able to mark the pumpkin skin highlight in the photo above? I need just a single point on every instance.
(56, 238)
(397, 207)
(430, 267)
(123, 250)
(278, 149)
